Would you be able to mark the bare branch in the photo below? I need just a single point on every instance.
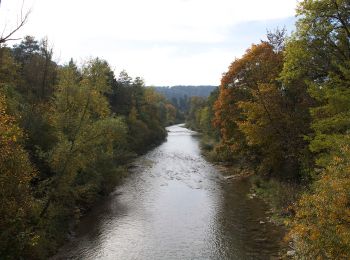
(11, 39)
(340, 18)
(22, 22)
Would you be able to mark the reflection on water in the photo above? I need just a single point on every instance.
(175, 205)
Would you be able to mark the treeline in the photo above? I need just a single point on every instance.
(180, 95)
(182, 90)
(66, 133)
(284, 107)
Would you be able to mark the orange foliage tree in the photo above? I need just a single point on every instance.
(256, 113)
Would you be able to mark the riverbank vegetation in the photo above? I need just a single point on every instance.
(284, 108)
(67, 132)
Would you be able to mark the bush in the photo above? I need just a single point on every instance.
(321, 228)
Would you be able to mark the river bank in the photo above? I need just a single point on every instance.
(279, 196)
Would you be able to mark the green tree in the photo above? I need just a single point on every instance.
(318, 58)
(86, 135)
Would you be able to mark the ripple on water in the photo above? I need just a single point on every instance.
(175, 205)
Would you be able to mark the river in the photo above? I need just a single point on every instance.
(176, 205)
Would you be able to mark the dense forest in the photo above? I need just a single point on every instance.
(180, 97)
(283, 109)
(182, 91)
(67, 132)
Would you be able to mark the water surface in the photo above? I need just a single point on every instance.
(176, 205)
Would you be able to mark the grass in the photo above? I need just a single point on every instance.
(281, 196)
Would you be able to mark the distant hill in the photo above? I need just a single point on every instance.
(182, 91)
(179, 95)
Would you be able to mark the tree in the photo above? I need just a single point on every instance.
(327, 50)
(87, 135)
(196, 104)
(320, 229)
(260, 65)
(38, 70)
(8, 69)
(66, 134)
(260, 115)
(318, 58)
(17, 204)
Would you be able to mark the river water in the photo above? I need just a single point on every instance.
(176, 205)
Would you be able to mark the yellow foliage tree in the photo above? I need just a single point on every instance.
(321, 228)
(16, 199)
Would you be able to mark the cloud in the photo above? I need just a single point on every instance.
(166, 42)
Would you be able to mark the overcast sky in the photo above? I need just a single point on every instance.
(166, 42)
